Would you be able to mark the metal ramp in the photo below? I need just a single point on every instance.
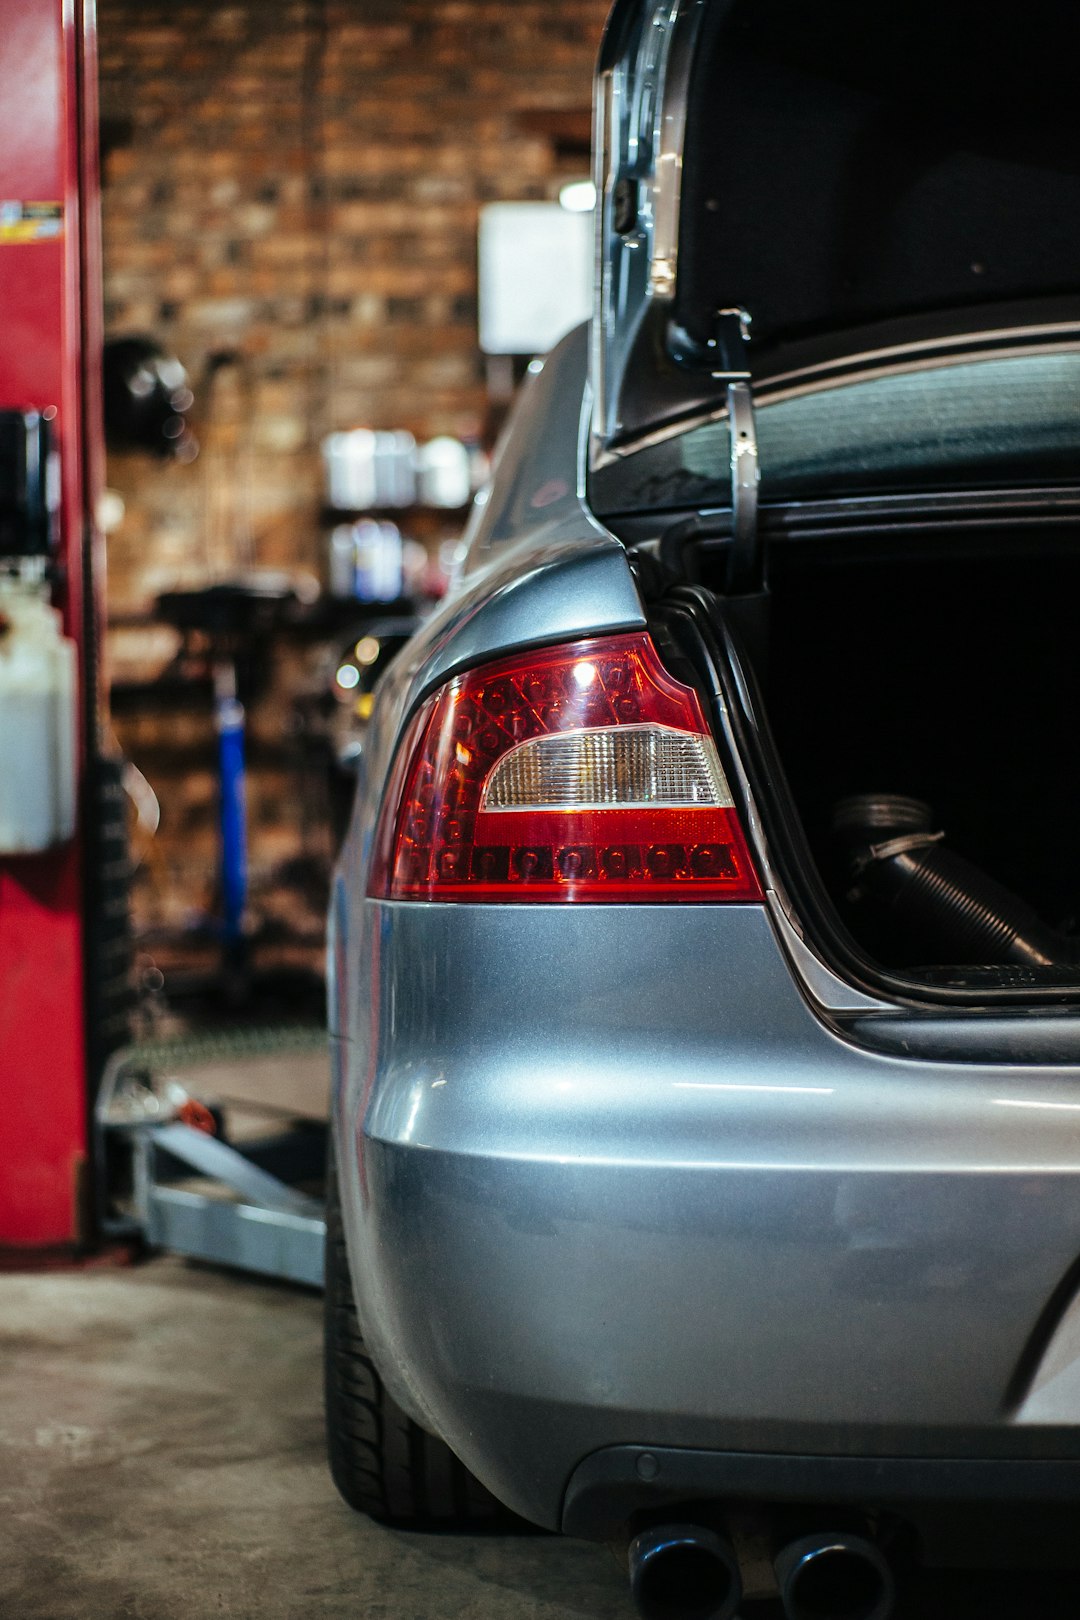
(169, 1178)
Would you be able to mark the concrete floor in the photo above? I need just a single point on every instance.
(161, 1459)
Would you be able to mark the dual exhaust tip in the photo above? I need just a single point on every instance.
(687, 1572)
(683, 1572)
(834, 1577)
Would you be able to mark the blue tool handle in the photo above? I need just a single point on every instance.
(229, 714)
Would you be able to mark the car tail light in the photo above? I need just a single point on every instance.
(581, 773)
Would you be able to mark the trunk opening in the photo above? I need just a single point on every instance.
(943, 672)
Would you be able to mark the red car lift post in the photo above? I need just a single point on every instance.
(50, 358)
(53, 1003)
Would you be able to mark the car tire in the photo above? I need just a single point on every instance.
(383, 1463)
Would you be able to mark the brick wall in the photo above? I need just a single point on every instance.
(298, 182)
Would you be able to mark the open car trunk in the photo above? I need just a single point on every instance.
(943, 672)
(817, 167)
(837, 251)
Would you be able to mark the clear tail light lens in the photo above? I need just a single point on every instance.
(581, 773)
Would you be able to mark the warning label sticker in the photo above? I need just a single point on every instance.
(30, 221)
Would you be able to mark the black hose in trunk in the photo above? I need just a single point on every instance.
(946, 907)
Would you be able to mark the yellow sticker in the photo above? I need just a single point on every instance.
(31, 221)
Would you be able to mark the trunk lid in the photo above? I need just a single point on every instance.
(774, 173)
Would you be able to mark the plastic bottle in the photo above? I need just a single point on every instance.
(343, 561)
(444, 473)
(349, 459)
(395, 469)
(378, 561)
(38, 684)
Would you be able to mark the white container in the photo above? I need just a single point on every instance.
(378, 561)
(349, 459)
(343, 561)
(368, 471)
(38, 685)
(445, 476)
(395, 469)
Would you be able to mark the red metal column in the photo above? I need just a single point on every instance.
(49, 349)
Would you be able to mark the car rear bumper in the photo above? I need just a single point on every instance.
(609, 1181)
(996, 1512)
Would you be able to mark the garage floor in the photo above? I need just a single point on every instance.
(161, 1459)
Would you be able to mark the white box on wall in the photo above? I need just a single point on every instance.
(536, 275)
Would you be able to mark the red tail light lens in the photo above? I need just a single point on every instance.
(583, 773)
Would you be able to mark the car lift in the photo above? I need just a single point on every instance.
(80, 1124)
(184, 1189)
(51, 946)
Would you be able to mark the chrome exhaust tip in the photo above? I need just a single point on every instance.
(834, 1577)
(684, 1572)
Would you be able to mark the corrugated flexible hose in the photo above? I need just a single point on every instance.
(954, 911)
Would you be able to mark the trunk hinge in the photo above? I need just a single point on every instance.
(728, 351)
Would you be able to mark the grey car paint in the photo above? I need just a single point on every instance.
(610, 1200)
(612, 1174)
(645, 1175)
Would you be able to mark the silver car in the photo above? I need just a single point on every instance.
(705, 960)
